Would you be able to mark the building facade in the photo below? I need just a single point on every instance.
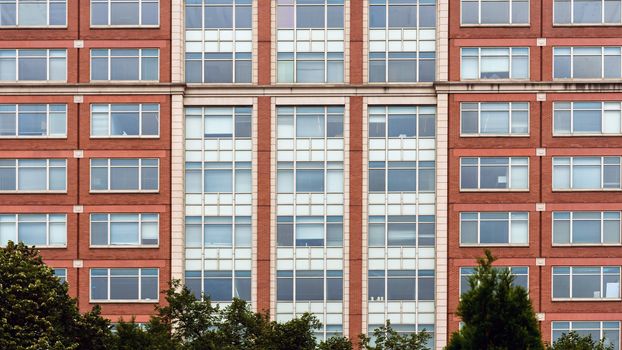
(350, 158)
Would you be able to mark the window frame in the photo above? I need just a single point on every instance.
(109, 221)
(570, 283)
(509, 181)
(140, 121)
(47, 114)
(571, 166)
(480, 24)
(479, 220)
(573, 133)
(509, 58)
(570, 328)
(140, 58)
(109, 179)
(510, 111)
(48, 169)
(62, 276)
(572, 24)
(48, 64)
(140, 12)
(48, 25)
(572, 56)
(47, 222)
(124, 301)
(325, 274)
(460, 291)
(235, 275)
(571, 220)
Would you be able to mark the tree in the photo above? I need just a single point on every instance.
(335, 343)
(497, 315)
(386, 338)
(574, 341)
(36, 311)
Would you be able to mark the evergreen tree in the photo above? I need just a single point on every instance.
(497, 315)
(386, 338)
(574, 341)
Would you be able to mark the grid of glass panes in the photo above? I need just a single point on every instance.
(124, 285)
(61, 273)
(586, 173)
(125, 120)
(218, 186)
(494, 12)
(41, 230)
(33, 13)
(219, 41)
(494, 173)
(494, 118)
(310, 41)
(401, 221)
(125, 64)
(30, 120)
(125, 13)
(33, 65)
(587, 62)
(609, 330)
(520, 273)
(125, 229)
(310, 198)
(586, 282)
(402, 40)
(33, 175)
(586, 228)
(587, 118)
(495, 63)
(494, 228)
(587, 12)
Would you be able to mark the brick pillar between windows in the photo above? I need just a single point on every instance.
(263, 203)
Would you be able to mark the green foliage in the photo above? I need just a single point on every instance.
(335, 343)
(36, 311)
(386, 338)
(496, 314)
(574, 341)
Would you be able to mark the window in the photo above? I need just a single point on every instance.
(220, 285)
(401, 176)
(218, 123)
(310, 41)
(125, 120)
(61, 273)
(587, 12)
(495, 12)
(41, 230)
(609, 330)
(586, 173)
(218, 177)
(124, 285)
(494, 228)
(396, 285)
(401, 231)
(309, 285)
(218, 231)
(586, 282)
(33, 175)
(125, 229)
(309, 122)
(124, 174)
(494, 173)
(586, 118)
(33, 121)
(124, 64)
(495, 63)
(219, 41)
(520, 273)
(33, 13)
(33, 64)
(309, 231)
(402, 121)
(494, 119)
(402, 38)
(591, 62)
(125, 13)
(586, 227)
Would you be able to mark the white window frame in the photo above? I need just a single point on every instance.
(48, 25)
(140, 166)
(48, 167)
(605, 106)
(495, 267)
(571, 328)
(16, 221)
(140, 15)
(48, 112)
(140, 122)
(572, 56)
(571, 166)
(570, 221)
(140, 221)
(510, 57)
(510, 111)
(509, 221)
(572, 23)
(63, 273)
(117, 301)
(571, 298)
(140, 58)
(48, 57)
(509, 179)
(479, 16)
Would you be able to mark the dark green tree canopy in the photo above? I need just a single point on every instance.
(386, 338)
(497, 315)
(574, 341)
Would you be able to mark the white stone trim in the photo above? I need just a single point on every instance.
(177, 188)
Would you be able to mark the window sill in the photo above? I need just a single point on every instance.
(122, 191)
(33, 192)
(124, 246)
(51, 246)
(493, 190)
(499, 245)
(493, 81)
(91, 301)
(499, 25)
(585, 245)
(586, 80)
(33, 137)
(125, 137)
(35, 27)
(493, 135)
(33, 82)
(401, 83)
(586, 135)
(559, 25)
(587, 190)
(121, 82)
(586, 299)
(129, 26)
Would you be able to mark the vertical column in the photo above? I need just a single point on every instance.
(177, 187)
(263, 202)
(356, 217)
(356, 42)
(442, 40)
(264, 38)
(441, 219)
(177, 41)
